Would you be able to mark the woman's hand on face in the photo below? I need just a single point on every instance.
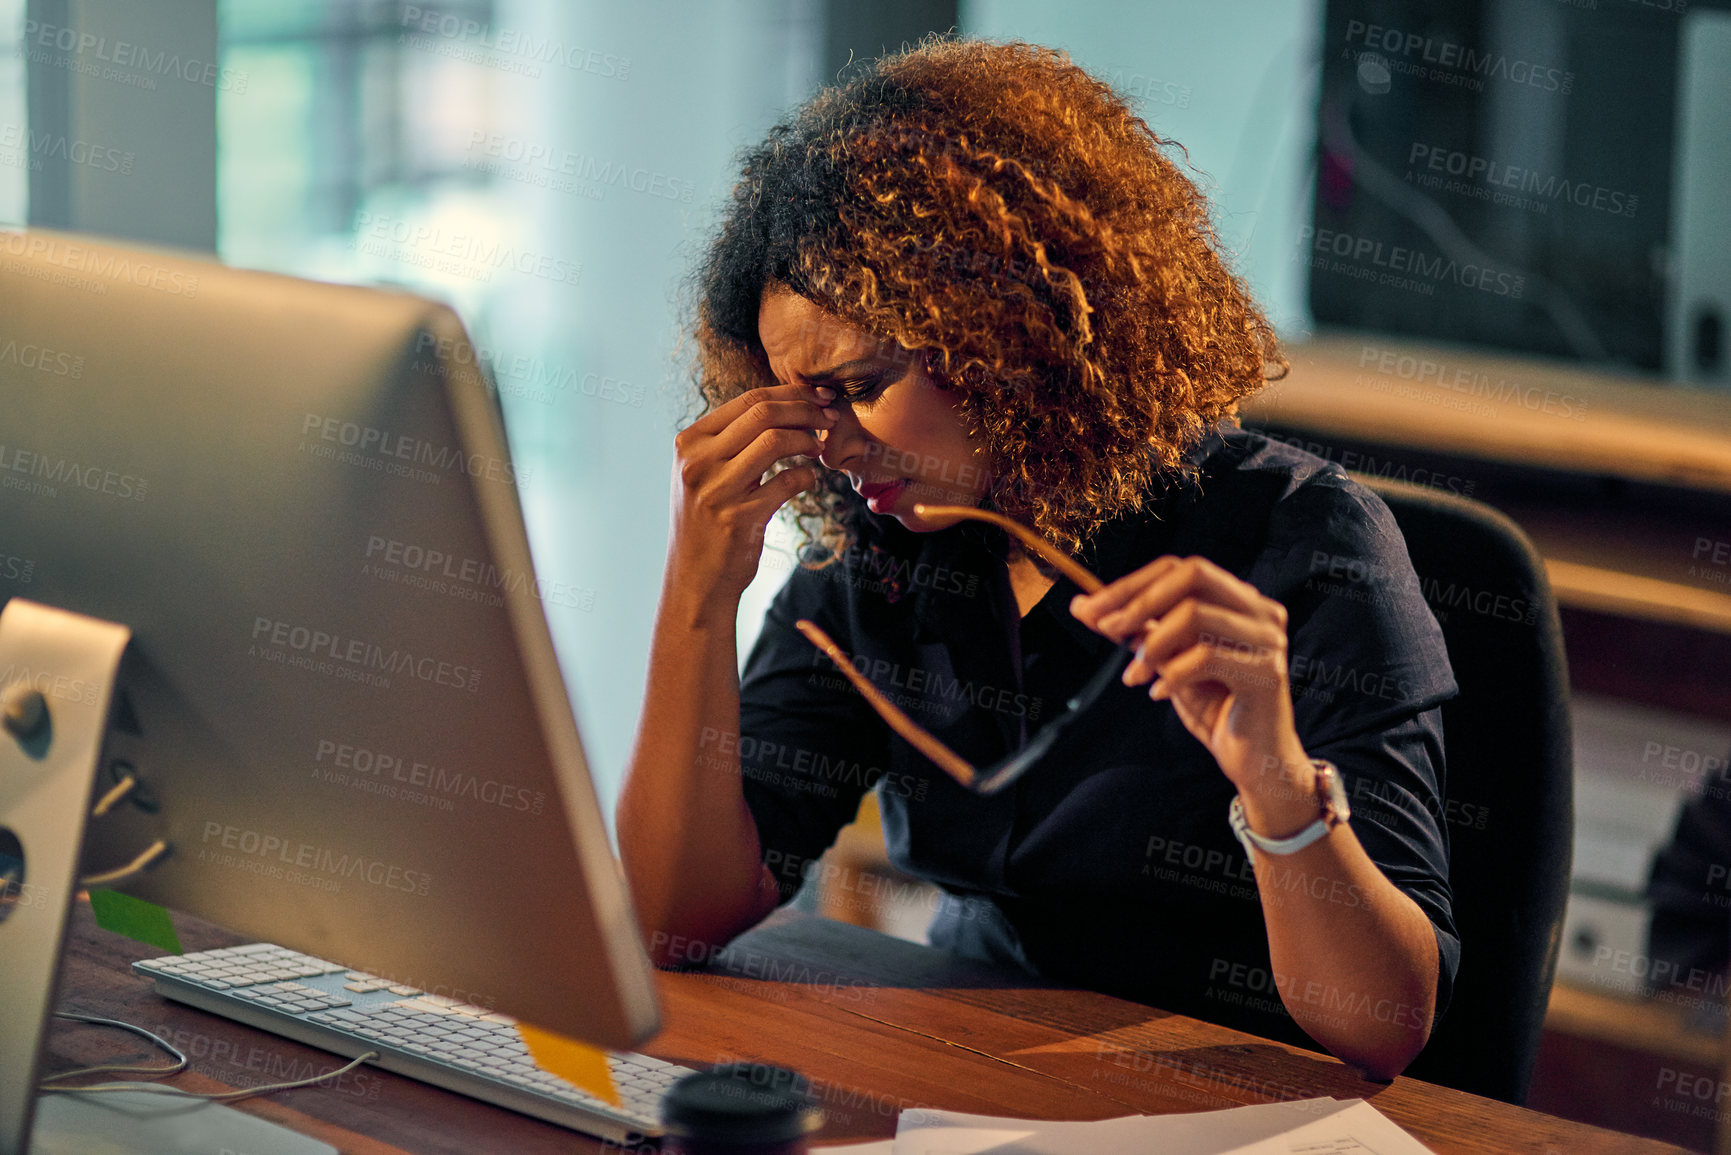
(721, 503)
(1215, 647)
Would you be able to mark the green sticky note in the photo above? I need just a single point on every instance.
(135, 918)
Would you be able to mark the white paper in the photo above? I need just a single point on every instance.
(1300, 1127)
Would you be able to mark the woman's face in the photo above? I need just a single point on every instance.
(900, 438)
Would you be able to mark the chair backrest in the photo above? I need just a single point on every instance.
(1509, 811)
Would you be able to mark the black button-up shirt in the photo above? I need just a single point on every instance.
(1110, 865)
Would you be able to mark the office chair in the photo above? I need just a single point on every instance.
(1509, 783)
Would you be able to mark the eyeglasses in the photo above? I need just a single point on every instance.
(1005, 771)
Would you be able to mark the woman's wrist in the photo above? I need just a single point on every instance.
(1283, 799)
(695, 601)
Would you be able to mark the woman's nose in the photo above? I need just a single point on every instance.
(843, 444)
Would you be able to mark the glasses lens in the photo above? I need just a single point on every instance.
(999, 775)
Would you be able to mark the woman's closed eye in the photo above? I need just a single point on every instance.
(862, 392)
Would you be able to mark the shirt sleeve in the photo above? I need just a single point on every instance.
(1369, 673)
(809, 745)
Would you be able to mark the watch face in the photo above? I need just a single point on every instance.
(1334, 806)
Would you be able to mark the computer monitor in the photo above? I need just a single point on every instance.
(340, 701)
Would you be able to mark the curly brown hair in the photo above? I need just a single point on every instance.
(1007, 215)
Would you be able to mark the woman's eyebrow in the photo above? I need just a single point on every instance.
(845, 368)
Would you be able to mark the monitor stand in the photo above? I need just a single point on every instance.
(143, 1123)
(57, 685)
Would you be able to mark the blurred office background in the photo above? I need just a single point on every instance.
(446, 148)
(1530, 191)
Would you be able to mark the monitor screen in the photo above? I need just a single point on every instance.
(1501, 173)
(341, 701)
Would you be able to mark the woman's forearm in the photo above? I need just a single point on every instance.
(687, 839)
(1354, 959)
(688, 842)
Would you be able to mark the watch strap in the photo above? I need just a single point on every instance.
(1331, 796)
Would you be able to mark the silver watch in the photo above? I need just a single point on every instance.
(1330, 796)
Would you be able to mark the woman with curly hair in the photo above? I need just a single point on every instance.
(972, 278)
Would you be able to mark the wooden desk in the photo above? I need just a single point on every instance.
(879, 1025)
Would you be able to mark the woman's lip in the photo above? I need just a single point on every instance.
(880, 497)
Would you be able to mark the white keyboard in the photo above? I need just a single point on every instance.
(438, 1040)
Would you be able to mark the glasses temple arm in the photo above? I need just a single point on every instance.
(1066, 565)
(919, 738)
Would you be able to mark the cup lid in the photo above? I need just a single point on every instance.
(741, 1103)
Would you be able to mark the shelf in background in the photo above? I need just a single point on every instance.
(1663, 1030)
(1550, 414)
(1622, 482)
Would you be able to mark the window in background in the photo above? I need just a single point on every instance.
(14, 123)
(1234, 84)
(344, 157)
(551, 168)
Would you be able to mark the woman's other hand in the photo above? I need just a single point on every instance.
(1215, 647)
